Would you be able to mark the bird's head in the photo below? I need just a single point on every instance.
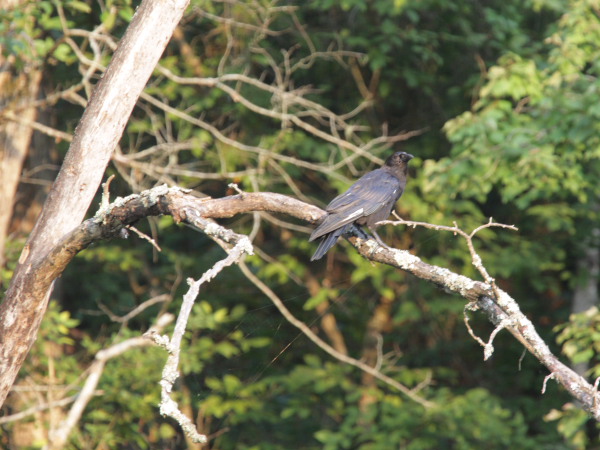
(398, 159)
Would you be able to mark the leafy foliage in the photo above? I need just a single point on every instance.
(515, 84)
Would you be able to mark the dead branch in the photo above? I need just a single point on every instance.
(37, 408)
(242, 245)
(135, 311)
(477, 263)
(499, 307)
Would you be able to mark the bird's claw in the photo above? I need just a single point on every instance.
(379, 245)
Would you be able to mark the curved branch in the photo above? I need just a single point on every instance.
(305, 329)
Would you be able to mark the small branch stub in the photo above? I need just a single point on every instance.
(489, 347)
(548, 377)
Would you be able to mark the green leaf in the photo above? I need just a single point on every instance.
(79, 6)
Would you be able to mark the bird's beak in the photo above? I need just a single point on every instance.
(409, 156)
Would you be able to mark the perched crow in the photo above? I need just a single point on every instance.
(367, 202)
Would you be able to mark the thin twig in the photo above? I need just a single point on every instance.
(546, 378)
(323, 345)
(476, 261)
(135, 311)
(105, 201)
(469, 329)
(144, 236)
(35, 409)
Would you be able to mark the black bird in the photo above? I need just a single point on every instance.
(367, 202)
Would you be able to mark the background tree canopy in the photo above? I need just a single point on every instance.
(497, 100)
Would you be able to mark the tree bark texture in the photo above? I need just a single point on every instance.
(95, 138)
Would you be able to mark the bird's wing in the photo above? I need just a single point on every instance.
(370, 193)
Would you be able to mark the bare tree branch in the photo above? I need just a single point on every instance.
(500, 308)
(37, 408)
(242, 245)
(49, 131)
(135, 311)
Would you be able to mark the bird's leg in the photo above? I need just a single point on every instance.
(379, 241)
(357, 230)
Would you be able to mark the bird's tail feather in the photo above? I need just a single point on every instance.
(329, 241)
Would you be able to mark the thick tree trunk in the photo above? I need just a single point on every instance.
(95, 138)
